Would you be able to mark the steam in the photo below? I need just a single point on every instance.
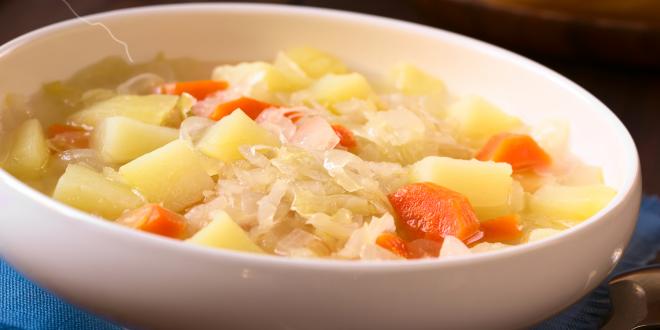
(103, 26)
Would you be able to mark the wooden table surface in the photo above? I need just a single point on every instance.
(632, 93)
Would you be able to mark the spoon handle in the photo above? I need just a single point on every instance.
(635, 297)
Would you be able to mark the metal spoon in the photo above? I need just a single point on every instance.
(635, 297)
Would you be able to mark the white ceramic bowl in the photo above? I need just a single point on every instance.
(151, 282)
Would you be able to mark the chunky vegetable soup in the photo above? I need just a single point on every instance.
(298, 157)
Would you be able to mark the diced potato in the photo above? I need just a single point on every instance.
(28, 154)
(314, 62)
(478, 119)
(120, 139)
(87, 190)
(335, 88)
(542, 233)
(182, 108)
(221, 141)
(150, 109)
(515, 204)
(569, 203)
(172, 175)
(258, 80)
(410, 80)
(292, 72)
(485, 184)
(223, 233)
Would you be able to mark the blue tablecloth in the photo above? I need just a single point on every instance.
(23, 305)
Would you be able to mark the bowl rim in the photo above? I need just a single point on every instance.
(627, 190)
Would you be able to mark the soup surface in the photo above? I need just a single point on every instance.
(298, 157)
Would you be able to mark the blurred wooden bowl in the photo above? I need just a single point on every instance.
(611, 31)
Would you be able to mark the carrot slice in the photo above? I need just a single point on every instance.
(345, 135)
(519, 150)
(156, 219)
(250, 106)
(57, 129)
(423, 248)
(200, 89)
(65, 137)
(504, 229)
(393, 243)
(426, 210)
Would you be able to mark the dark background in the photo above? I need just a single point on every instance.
(631, 91)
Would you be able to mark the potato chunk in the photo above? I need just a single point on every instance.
(258, 80)
(223, 233)
(221, 141)
(172, 175)
(87, 190)
(515, 204)
(569, 202)
(335, 88)
(296, 77)
(410, 80)
(478, 119)
(28, 153)
(314, 62)
(150, 109)
(485, 184)
(120, 139)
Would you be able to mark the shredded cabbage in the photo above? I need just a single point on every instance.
(360, 242)
(394, 127)
(267, 205)
(89, 157)
(142, 84)
(297, 244)
(405, 135)
(375, 252)
(192, 128)
(314, 133)
(276, 121)
(348, 170)
(452, 247)
(330, 193)
(339, 226)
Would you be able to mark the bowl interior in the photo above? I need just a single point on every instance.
(226, 33)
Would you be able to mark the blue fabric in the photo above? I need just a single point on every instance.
(23, 305)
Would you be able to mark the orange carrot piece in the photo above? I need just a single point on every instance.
(393, 243)
(57, 129)
(200, 89)
(519, 150)
(156, 219)
(504, 229)
(65, 137)
(345, 135)
(250, 106)
(423, 248)
(426, 210)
